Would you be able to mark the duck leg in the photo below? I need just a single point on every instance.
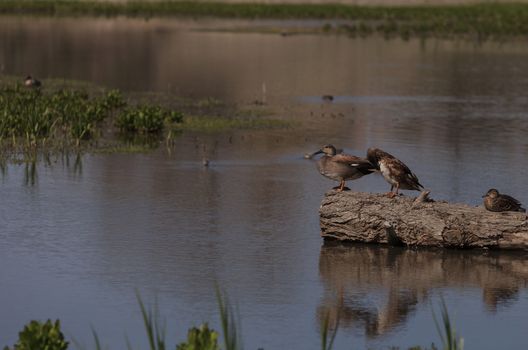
(341, 186)
(390, 194)
(394, 194)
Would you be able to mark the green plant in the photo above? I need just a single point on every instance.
(326, 342)
(155, 332)
(146, 119)
(229, 324)
(36, 115)
(41, 336)
(450, 340)
(201, 338)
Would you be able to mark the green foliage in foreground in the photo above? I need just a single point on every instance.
(41, 336)
(48, 336)
(483, 20)
(450, 340)
(201, 338)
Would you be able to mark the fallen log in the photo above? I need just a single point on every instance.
(375, 218)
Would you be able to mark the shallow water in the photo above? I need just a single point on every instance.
(78, 241)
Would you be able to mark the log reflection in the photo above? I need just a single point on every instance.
(377, 288)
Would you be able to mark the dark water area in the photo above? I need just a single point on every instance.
(77, 241)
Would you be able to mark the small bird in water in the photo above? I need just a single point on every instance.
(342, 167)
(31, 82)
(394, 171)
(494, 201)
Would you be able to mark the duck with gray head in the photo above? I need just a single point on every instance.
(494, 201)
(341, 167)
(394, 171)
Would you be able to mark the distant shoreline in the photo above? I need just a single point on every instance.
(480, 21)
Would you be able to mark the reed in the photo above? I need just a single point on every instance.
(450, 339)
(327, 335)
(227, 320)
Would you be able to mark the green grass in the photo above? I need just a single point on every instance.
(57, 118)
(481, 20)
(450, 339)
(35, 116)
(38, 335)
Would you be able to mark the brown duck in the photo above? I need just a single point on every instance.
(342, 167)
(394, 171)
(494, 201)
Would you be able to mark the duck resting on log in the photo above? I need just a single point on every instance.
(398, 220)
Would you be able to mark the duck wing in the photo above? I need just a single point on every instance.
(508, 203)
(360, 164)
(402, 174)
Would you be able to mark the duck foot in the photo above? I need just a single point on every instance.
(338, 188)
(391, 194)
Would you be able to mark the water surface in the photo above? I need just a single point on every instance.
(78, 241)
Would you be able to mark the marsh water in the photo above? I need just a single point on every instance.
(79, 238)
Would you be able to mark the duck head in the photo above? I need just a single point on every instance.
(492, 193)
(373, 156)
(329, 150)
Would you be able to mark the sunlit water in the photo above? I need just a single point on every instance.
(78, 241)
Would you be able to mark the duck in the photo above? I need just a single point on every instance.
(494, 201)
(31, 82)
(342, 167)
(397, 174)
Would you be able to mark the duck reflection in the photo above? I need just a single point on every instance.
(377, 288)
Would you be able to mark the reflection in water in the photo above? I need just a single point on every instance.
(378, 288)
(30, 173)
(73, 166)
(94, 230)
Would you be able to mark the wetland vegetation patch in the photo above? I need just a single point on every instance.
(61, 119)
(486, 20)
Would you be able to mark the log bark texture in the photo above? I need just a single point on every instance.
(375, 218)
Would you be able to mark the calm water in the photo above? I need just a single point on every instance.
(78, 241)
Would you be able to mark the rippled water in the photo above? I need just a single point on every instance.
(78, 242)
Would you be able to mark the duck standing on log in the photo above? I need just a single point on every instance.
(494, 201)
(342, 167)
(394, 171)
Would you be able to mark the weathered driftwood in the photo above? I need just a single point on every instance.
(375, 218)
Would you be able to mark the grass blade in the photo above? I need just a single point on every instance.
(450, 340)
(227, 319)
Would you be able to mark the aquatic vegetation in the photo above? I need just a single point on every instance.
(201, 338)
(48, 336)
(56, 118)
(326, 342)
(450, 339)
(34, 115)
(229, 325)
(146, 119)
(155, 332)
(481, 20)
(38, 335)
